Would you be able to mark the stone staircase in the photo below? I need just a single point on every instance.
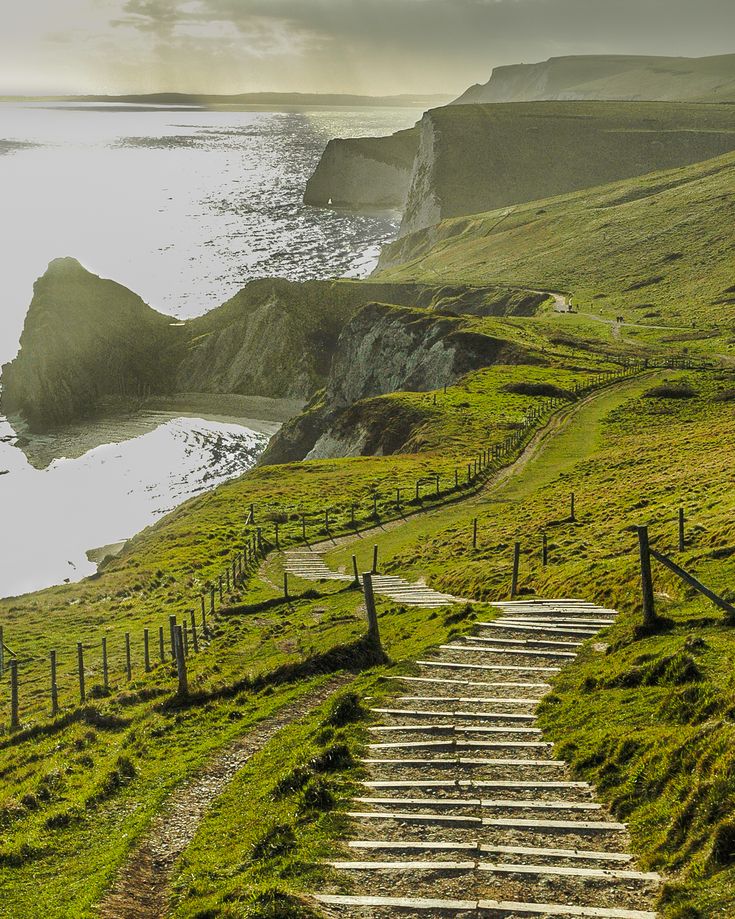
(309, 564)
(466, 812)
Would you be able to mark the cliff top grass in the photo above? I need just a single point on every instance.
(612, 76)
(657, 249)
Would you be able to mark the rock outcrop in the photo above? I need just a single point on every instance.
(611, 77)
(84, 338)
(476, 158)
(381, 350)
(364, 172)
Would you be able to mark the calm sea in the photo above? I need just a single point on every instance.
(183, 207)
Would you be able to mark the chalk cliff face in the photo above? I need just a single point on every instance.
(384, 349)
(477, 158)
(610, 77)
(369, 172)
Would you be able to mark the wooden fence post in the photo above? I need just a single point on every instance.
(172, 635)
(147, 649)
(375, 559)
(2, 650)
(516, 567)
(354, 570)
(80, 666)
(372, 616)
(285, 585)
(128, 662)
(303, 525)
(183, 689)
(682, 544)
(418, 490)
(105, 668)
(220, 592)
(211, 601)
(161, 648)
(572, 516)
(194, 633)
(544, 550)
(205, 629)
(14, 717)
(278, 541)
(649, 610)
(474, 533)
(227, 579)
(185, 633)
(54, 687)
(456, 478)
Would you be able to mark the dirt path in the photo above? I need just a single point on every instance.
(556, 425)
(141, 890)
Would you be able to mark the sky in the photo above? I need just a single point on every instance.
(373, 47)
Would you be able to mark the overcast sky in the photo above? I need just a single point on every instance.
(360, 46)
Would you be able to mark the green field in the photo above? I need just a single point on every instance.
(647, 716)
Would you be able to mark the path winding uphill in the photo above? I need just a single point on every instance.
(309, 564)
(466, 811)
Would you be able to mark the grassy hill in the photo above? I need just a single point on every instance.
(611, 76)
(658, 249)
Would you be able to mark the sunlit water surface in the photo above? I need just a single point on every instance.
(183, 207)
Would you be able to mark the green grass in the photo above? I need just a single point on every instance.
(657, 249)
(79, 792)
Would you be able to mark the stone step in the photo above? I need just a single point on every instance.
(438, 681)
(479, 700)
(485, 907)
(482, 849)
(460, 745)
(516, 652)
(510, 804)
(449, 729)
(490, 668)
(474, 716)
(546, 630)
(460, 762)
(554, 826)
(612, 874)
(471, 783)
(525, 642)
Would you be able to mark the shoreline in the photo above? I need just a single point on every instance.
(122, 421)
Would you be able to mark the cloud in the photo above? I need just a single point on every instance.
(349, 45)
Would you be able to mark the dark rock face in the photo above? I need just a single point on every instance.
(385, 349)
(84, 338)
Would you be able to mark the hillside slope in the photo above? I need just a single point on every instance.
(658, 248)
(475, 158)
(611, 76)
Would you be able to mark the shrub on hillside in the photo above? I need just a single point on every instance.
(671, 391)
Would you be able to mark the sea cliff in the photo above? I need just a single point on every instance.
(87, 341)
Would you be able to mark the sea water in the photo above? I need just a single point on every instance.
(183, 207)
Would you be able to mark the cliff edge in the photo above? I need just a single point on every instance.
(610, 77)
